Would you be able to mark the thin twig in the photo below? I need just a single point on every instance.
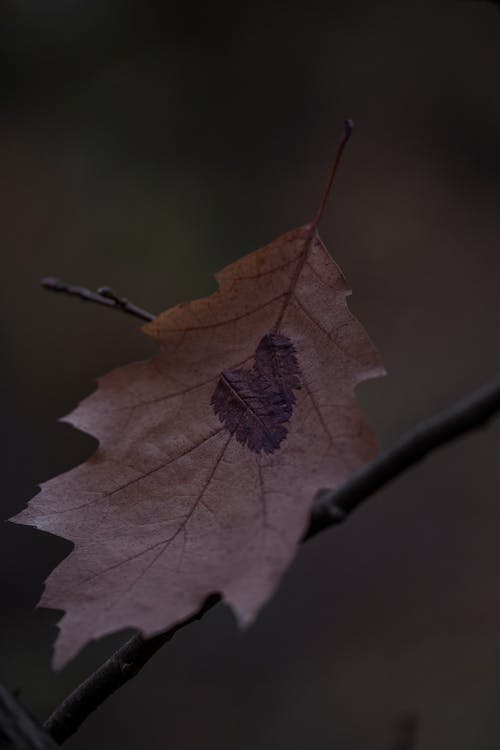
(18, 731)
(103, 296)
(331, 508)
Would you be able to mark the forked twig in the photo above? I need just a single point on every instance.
(330, 508)
(103, 296)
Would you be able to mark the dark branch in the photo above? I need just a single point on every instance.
(330, 508)
(124, 664)
(103, 296)
(333, 506)
(18, 731)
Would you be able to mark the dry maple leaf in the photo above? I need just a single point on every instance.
(211, 453)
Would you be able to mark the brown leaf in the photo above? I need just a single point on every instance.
(210, 454)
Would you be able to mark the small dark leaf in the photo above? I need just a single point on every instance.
(255, 404)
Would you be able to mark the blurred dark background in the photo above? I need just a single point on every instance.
(146, 144)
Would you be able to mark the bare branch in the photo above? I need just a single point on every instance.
(330, 508)
(103, 296)
(333, 506)
(121, 666)
(18, 731)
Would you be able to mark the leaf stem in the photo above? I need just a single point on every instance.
(103, 296)
(348, 127)
(331, 507)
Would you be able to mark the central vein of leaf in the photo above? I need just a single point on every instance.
(244, 403)
(296, 276)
